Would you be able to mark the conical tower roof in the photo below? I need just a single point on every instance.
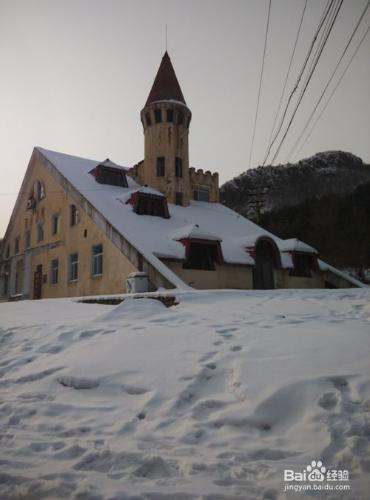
(166, 85)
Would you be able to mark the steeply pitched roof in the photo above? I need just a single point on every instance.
(166, 85)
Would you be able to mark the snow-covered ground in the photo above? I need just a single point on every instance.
(209, 399)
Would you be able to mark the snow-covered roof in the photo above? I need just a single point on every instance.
(158, 237)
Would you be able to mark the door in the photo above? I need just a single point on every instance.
(37, 282)
(263, 273)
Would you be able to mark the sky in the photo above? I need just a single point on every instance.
(76, 73)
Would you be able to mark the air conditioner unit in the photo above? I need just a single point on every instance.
(137, 283)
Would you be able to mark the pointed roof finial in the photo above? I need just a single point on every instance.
(166, 85)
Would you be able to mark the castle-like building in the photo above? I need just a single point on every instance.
(82, 227)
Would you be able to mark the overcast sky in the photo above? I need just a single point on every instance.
(76, 73)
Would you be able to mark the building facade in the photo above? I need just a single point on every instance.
(81, 227)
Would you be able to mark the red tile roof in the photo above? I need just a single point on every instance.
(166, 85)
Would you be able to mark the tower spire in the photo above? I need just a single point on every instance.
(166, 86)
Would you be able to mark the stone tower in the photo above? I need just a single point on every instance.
(166, 119)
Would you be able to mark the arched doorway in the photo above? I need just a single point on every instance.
(266, 261)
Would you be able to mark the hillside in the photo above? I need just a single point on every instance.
(210, 399)
(272, 188)
(323, 200)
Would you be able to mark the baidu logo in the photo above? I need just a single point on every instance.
(316, 477)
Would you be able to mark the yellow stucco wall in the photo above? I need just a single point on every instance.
(235, 277)
(79, 238)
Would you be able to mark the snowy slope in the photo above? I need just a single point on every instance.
(210, 399)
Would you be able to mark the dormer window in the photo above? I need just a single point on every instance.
(304, 264)
(150, 204)
(202, 254)
(111, 176)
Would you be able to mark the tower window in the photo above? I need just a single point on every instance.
(178, 200)
(188, 121)
(178, 167)
(148, 119)
(201, 193)
(170, 115)
(160, 166)
(180, 118)
(73, 215)
(158, 115)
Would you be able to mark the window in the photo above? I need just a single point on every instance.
(148, 119)
(111, 176)
(54, 271)
(73, 215)
(73, 267)
(7, 253)
(55, 224)
(16, 245)
(40, 190)
(27, 239)
(170, 115)
(158, 115)
(202, 255)
(160, 166)
(148, 204)
(303, 264)
(178, 200)
(201, 193)
(178, 167)
(97, 260)
(40, 231)
(188, 121)
(180, 118)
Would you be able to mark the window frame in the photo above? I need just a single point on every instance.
(178, 167)
(55, 219)
(213, 257)
(97, 260)
(40, 232)
(27, 239)
(54, 271)
(198, 189)
(74, 217)
(158, 115)
(16, 245)
(170, 116)
(161, 166)
(73, 267)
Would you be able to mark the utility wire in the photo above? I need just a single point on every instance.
(287, 73)
(338, 7)
(333, 91)
(327, 9)
(329, 81)
(260, 85)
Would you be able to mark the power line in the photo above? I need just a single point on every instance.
(318, 29)
(308, 79)
(330, 79)
(260, 85)
(333, 91)
(287, 73)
